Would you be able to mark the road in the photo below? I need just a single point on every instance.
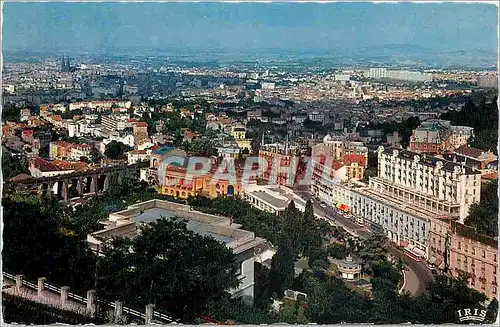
(418, 273)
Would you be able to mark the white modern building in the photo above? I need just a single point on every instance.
(402, 75)
(316, 116)
(115, 122)
(243, 243)
(338, 146)
(272, 198)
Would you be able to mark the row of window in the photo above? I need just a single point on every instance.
(473, 251)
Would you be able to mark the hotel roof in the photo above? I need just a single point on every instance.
(430, 161)
(220, 228)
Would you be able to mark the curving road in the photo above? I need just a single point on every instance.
(417, 274)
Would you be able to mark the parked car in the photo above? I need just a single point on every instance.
(323, 205)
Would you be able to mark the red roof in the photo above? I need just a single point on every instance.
(138, 152)
(62, 165)
(44, 165)
(141, 124)
(470, 151)
(490, 176)
(20, 177)
(354, 158)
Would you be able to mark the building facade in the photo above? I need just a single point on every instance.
(469, 252)
(437, 185)
(272, 199)
(412, 195)
(435, 136)
(278, 163)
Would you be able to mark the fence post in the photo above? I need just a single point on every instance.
(91, 300)
(41, 285)
(118, 309)
(19, 282)
(149, 313)
(64, 294)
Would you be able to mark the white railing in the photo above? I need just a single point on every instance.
(158, 315)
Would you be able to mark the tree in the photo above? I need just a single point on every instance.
(116, 150)
(13, 114)
(445, 296)
(142, 270)
(37, 244)
(373, 251)
(262, 291)
(484, 215)
(200, 147)
(151, 123)
(234, 310)
(12, 165)
(330, 301)
(282, 268)
(69, 114)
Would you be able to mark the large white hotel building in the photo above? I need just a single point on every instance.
(410, 191)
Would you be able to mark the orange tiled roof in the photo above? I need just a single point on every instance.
(44, 165)
(354, 158)
(141, 124)
(490, 176)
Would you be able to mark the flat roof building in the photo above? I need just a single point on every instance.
(126, 223)
(274, 199)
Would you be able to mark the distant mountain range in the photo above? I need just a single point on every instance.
(384, 55)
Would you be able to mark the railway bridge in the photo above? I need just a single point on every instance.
(76, 184)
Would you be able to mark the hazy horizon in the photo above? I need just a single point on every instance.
(281, 28)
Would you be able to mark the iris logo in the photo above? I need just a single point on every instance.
(471, 315)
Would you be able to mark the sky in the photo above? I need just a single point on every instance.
(249, 27)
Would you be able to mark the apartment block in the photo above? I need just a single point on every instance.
(277, 162)
(115, 122)
(469, 252)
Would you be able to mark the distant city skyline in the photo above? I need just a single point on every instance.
(281, 28)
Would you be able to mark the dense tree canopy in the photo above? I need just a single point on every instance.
(37, 244)
(483, 118)
(12, 165)
(170, 266)
(404, 129)
(200, 147)
(116, 150)
(186, 274)
(484, 215)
